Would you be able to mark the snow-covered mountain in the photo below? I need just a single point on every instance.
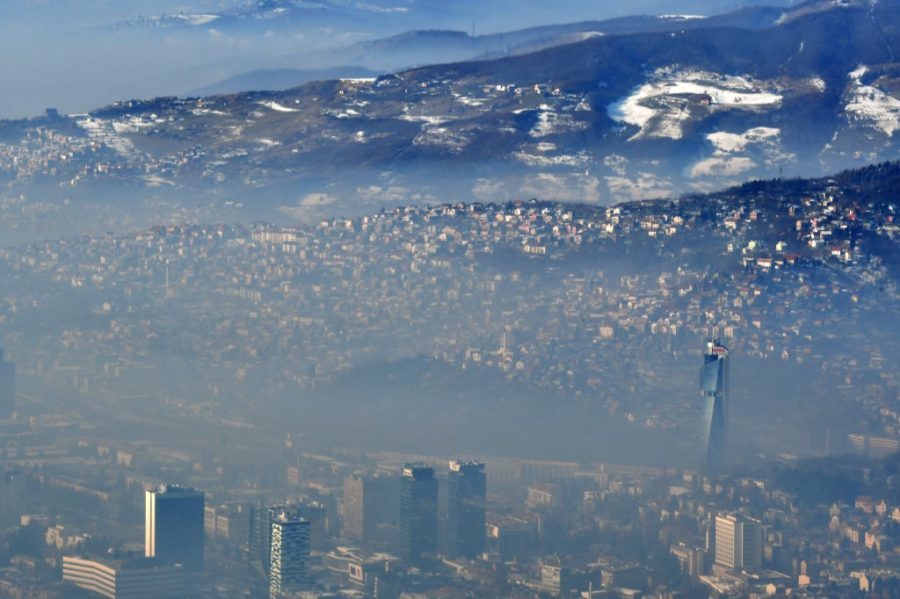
(612, 117)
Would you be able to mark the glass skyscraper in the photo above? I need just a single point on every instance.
(418, 511)
(714, 389)
(174, 526)
(466, 491)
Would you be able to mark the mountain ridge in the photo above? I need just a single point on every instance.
(642, 115)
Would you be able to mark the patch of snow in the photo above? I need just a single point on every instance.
(441, 137)
(345, 114)
(552, 123)
(681, 17)
(277, 107)
(857, 73)
(736, 153)
(871, 106)
(662, 106)
(208, 112)
(738, 142)
(581, 36)
(578, 160)
(105, 132)
(132, 124)
(723, 166)
(425, 118)
(467, 101)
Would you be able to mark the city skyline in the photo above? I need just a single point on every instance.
(450, 299)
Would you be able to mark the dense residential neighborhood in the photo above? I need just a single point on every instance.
(570, 299)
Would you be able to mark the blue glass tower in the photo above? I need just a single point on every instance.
(173, 528)
(418, 512)
(714, 389)
(467, 489)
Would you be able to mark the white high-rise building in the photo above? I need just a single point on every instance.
(139, 578)
(739, 542)
(289, 554)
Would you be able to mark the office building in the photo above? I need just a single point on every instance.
(714, 389)
(691, 560)
(12, 496)
(260, 539)
(361, 569)
(556, 580)
(466, 498)
(174, 526)
(353, 508)
(7, 388)
(371, 506)
(418, 512)
(137, 578)
(227, 523)
(317, 516)
(289, 553)
(739, 543)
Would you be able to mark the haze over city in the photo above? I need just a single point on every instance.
(320, 298)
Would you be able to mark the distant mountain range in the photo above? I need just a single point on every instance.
(92, 53)
(654, 108)
(380, 15)
(433, 46)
